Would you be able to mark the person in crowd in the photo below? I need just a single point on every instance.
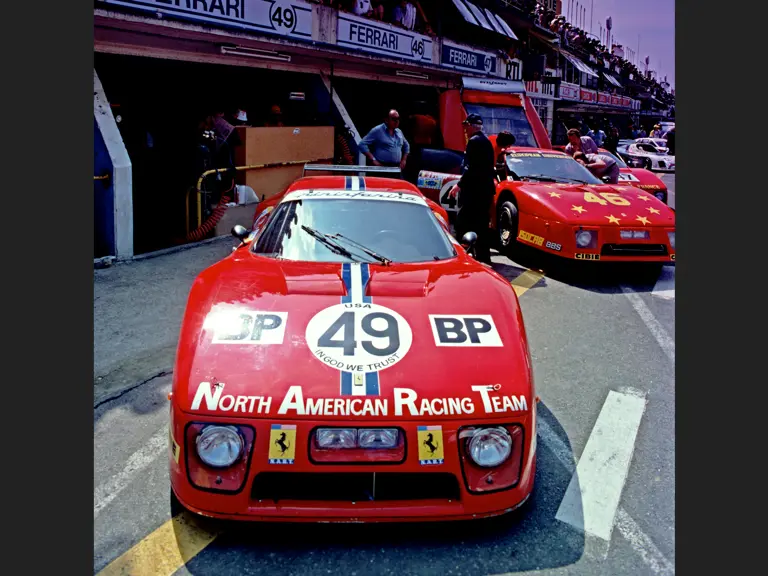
(642, 133)
(385, 144)
(363, 8)
(671, 141)
(633, 132)
(597, 135)
(504, 141)
(476, 188)
(656, 132)
(612, 140)
(579, 143)
(275, 117)
(423, 133)
(404, 15)
(600, 165)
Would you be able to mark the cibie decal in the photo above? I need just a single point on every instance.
(357, 337)
(247, 327)
(282, 444)
(580, 256)
(430, 445)
(464, 330)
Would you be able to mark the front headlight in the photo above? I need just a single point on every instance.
(671, 239)
(490, 447)
(377, 437)
(336, 438)
(219, 446)
(583, 238)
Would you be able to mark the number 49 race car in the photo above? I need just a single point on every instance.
(332, 368)
(547, 200)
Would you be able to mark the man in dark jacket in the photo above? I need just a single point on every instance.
(476, 188)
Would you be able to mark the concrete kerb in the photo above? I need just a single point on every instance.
(107, 261)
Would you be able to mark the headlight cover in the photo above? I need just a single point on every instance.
(583, 238)
(219, 446)
(490, 447)
(671, 236)
(336, 438)
(377, 437)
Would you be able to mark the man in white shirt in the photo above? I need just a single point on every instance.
(363, 8)
(405, 15)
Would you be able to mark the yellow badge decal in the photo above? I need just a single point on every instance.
(580, 256)
(282, 444)
(430, 445)
(528, 237)
(175, 449)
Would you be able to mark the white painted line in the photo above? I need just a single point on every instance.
(593, 495)
(626, 526)
(662, 337)
(643, 545)
(139, 460)
(665, 285)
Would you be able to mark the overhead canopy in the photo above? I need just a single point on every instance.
(484, 18)
(612, 80)
(578, 64)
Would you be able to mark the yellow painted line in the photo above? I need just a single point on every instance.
(165, 550)
(526, 281)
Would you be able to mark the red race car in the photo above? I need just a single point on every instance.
(547, 200)
(637, 177)
(332, 368)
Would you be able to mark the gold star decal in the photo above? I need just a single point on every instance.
(653, 211)
(643, 219)
(554, 195)
(578, 209)
(613, 219)
(644, 198)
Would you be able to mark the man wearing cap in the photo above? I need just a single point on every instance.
(476, 188)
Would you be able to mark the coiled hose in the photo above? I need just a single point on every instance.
(346, 153)
(215, 217)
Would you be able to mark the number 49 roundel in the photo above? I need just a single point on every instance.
(359, 337)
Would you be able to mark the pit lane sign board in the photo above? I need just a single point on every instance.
(371, 36)
(468, 59)
(291, 18)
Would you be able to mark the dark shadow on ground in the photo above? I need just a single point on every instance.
(602, 277)
(527, 539)
(145, 399)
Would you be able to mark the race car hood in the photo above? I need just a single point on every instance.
(594, 205)
(263, 338)
(642, 178)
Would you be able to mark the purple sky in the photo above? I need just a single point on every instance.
(653, 20)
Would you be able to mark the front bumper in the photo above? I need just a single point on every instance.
(559, 238)
(445, 498)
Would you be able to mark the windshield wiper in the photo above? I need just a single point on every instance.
(383, 259)
(331, 245)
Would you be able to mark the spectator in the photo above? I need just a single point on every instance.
(671, 141)
(656, 132)
(365, 8)
(504, 141)
(598, 136)
(600, 165)
(390, 148)
(275, 117)
(579, 143)
(612, 140)
(405, 15)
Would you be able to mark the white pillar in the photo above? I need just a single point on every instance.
(122, 177)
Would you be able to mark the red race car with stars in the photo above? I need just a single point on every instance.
(547, 200)
(331, 368)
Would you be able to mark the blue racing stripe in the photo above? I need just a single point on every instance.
(346, 383)
(362, 182)
(372, 383)
(348, 182)
(366, 274)
(346, 276)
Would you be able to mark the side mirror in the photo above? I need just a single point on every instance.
(468, 242)
(239, 232)
(606, 179)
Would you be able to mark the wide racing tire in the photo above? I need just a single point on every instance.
(506, 227)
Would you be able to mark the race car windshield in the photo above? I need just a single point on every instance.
(499, 118)
(547, 167)
(618, 160)
(344, 230)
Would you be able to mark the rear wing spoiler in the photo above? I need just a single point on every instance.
(493, 85)
(359, 170)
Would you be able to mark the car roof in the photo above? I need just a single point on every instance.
(353, 183)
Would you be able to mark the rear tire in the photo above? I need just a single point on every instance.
(647, 164)
(506, 226)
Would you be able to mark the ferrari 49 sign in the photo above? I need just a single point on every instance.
(284, 17)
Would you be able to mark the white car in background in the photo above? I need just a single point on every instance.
(660, 143)
(645, 155)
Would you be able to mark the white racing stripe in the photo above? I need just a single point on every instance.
(666, 343)
(665, 285)
(137, 462)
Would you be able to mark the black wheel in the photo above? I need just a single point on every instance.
(647, 164)
(506, 226)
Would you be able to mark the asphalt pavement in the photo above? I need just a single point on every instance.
(602, 341)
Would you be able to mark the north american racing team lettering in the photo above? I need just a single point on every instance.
(406, 402)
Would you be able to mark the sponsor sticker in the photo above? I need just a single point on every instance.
(464, 330)
(580, 256)
(282, 444)
(247, 327)
(430, 440)
(532, 238)
(553, 246)
(174, 447)
(406, 198)
(627, 177)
